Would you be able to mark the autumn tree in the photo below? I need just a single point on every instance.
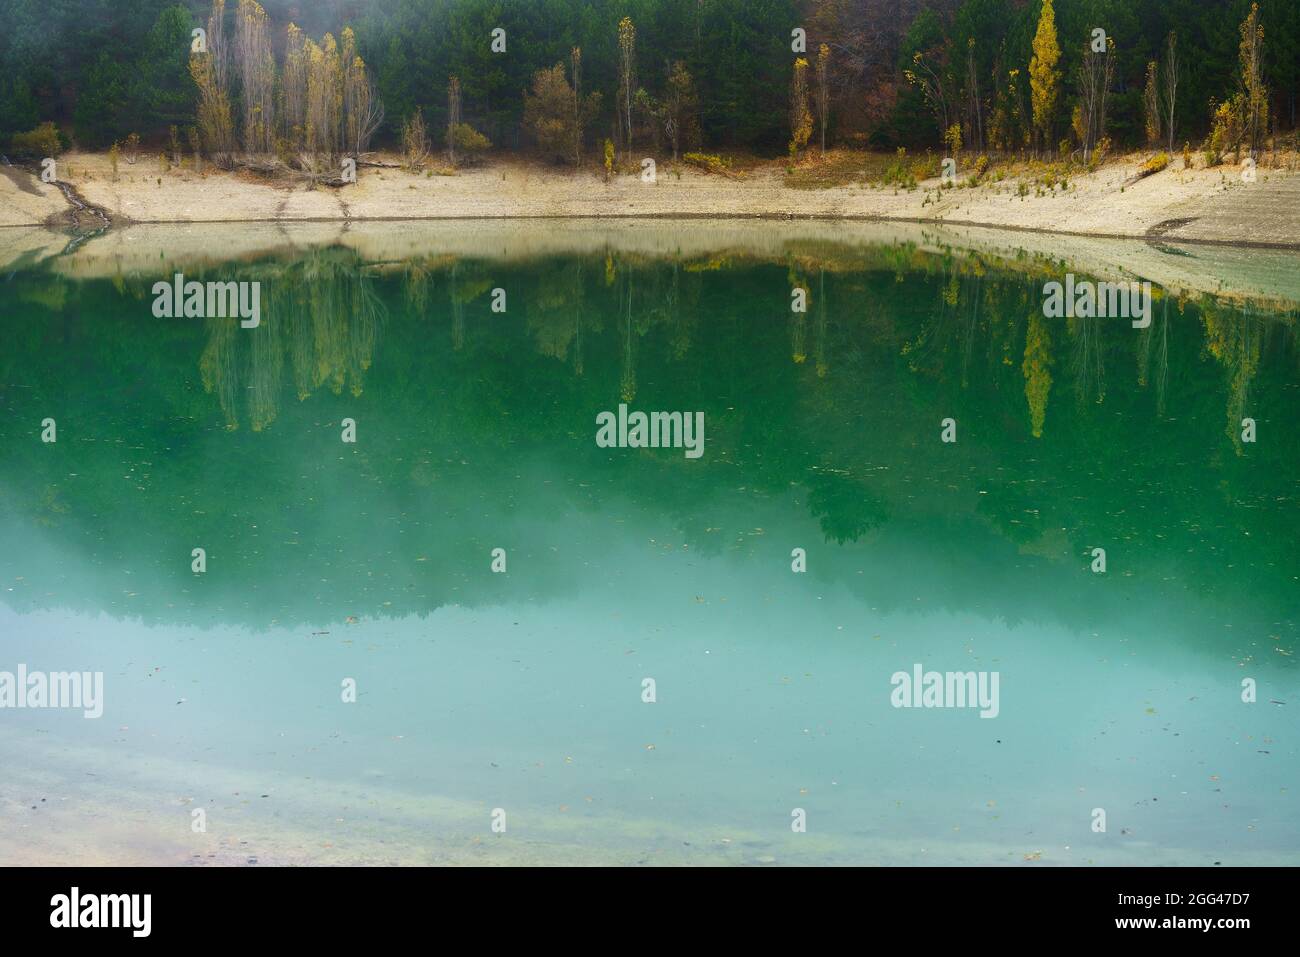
(575, 67)
(801, 120)
(415, 142)
(549, 114)
(1008, 129)
(453, 116)
(626, 81)
(1171, 83)
(1151, 104)
(294, 88)
(681, 105)
(255, 64)
(324, 100)
(974, 106)
(363, 111)
(1254, 119)
(823, 90)
(1044, 78)
(930, 80)
(211, 72)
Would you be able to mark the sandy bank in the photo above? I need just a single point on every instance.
(1196, 204)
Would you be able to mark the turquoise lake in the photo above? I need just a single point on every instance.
(521, 691)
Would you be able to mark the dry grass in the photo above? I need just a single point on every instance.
(839, 167)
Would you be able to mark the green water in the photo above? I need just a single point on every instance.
(522, 690)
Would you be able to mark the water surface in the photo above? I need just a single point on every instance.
(523, 691)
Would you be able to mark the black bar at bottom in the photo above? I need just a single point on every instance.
(333, 906)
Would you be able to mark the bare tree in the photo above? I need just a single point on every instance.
(1095, 73)
(575, 65)
(1255, 106)
(823, 90)
(680, 106)
(1171, 83)
(801, 120)
(415, 142)
(453, 116)
(211, 73)
(324, 100)
(1151, 104)
(363, 110)
(256, 65)
(974, 110)
(626, 80)
(928, 79)
(294, 83)
(219, 48)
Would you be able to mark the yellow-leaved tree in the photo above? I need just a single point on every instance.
(801, 119)
(1044, 78)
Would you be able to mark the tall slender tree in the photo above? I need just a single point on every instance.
(294, 89)
(575, 67)
(211, 72)
(1171, 84)
(800, 116)
(823, 90)
(626, 81)
(256, 67)
(1255, 119)
(1044, 78)
(1151, 104)
(453, 116)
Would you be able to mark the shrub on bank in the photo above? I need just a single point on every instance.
(45, 140)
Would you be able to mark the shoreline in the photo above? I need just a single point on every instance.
(1214, 206)
(1191, 232)
(1149, 236)
(1229, 272)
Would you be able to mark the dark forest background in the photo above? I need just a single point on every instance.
(102, 69)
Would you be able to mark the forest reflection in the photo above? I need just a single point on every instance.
(948, 320)
(476, 383)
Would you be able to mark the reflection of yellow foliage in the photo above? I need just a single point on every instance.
(53, 296)
(469, 291)
(322, 318)
(1234, 340)
(216, 367)
(50, 506)
(555, 314)
(950, 292)
(1036, 368)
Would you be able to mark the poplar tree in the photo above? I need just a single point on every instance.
(626, 80)
(800, 116)
(453, 117)
(255, 64)
(823, 90)
(1151, 104)
(1044, 78)
(1171, 83)
(211, 73)
(1255, 104)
